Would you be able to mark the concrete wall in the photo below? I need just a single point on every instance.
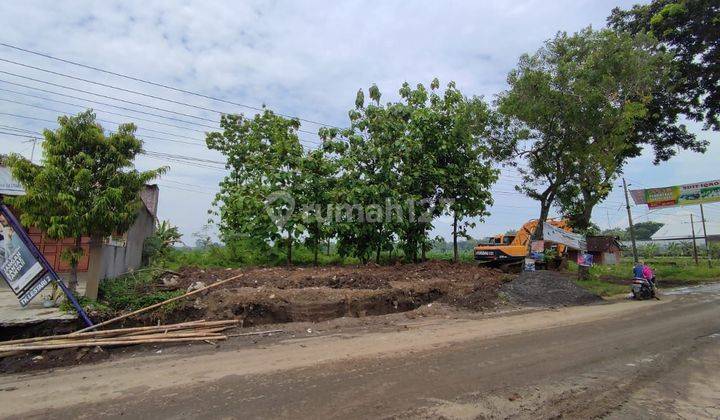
(115, 260)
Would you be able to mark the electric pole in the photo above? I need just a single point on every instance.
(630, 222)
(707, 245)
(692, 226)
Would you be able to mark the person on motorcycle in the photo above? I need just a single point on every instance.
(648, 274)
(638, 270)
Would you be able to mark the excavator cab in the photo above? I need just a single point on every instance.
(507, 251)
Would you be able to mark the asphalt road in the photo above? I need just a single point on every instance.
(622, 360)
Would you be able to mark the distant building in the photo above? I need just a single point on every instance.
(103, 257)
(681, 231)
(604, 249)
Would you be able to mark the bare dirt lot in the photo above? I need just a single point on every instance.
(272, 295)
(283, 298)
(649, 359)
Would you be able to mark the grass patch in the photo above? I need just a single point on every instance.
(674, 271)
(602, 288)
(135, 291)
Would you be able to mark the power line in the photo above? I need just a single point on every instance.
(137, 79)
(313, 142)
(123, 89)
(101, 103)
(101, 110)
(109, 122)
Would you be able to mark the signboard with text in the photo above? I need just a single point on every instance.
(678, 195)
(561, 236)
(20, 267)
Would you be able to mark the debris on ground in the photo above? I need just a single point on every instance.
(547, 288)
(175, 333)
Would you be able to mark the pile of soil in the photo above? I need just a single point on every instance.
(547, 288)
(290, 294)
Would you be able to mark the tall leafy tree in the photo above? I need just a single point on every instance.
(581, 99)
(259, 196)
(86, 184)
(318, 173)
(465, 158)
(690, 29)
(367, 182)
(408, 156)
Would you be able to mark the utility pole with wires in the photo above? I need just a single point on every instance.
(707, 244)
(630, 222)
(692, 227)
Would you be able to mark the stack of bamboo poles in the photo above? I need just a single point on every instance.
(201, 330)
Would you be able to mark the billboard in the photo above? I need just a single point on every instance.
(20, 265)
(560, 236)
(678, 195)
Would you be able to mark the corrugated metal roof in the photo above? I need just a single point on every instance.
(683, 230)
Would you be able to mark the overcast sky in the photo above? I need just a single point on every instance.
(305, 59)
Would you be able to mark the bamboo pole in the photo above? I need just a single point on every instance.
(255, 333)
(121, 331)
(157, 305)
(109, 343)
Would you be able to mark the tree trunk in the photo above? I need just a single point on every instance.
(289, 249)
(315, 257)
(74, 265)
(455, 245)
(544, 211)
(377, 253)
(328, 246)
(583, 272)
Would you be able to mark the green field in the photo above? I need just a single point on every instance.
(669, 271)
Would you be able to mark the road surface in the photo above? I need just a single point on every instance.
(623, 360)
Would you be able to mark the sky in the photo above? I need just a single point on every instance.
(305, 59)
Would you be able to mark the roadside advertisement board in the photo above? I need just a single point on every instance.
(20, 265)
(8, 184)
(585, 260)
(678, 195)
(560, 236)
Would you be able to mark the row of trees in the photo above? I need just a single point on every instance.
(575, 113)
(383, 180)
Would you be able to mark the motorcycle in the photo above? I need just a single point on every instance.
(642, 289)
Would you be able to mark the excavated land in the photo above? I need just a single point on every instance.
(299, 294)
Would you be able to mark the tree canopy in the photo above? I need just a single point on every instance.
(690, 29)
(86, 184)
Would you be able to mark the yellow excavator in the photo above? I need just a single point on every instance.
(509, 251)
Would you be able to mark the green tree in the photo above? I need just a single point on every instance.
(258, 198)
(690, 29)
(318, 173)
(86, 185)
(367, 182)
(464, 159)
(410, 156)
(645, 230)
(157, 245)
(580, 98)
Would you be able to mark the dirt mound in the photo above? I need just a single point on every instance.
(547, 288)
(288, 294)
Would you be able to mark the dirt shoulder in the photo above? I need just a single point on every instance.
(182, 367)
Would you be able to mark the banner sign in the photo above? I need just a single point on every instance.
(20, 267)
(678, 195)
(8, 184)
(560, 236)
(537, 246)
(585, 260)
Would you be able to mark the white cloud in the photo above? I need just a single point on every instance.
(301, 58)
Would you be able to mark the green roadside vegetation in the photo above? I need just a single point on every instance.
(670, 272)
